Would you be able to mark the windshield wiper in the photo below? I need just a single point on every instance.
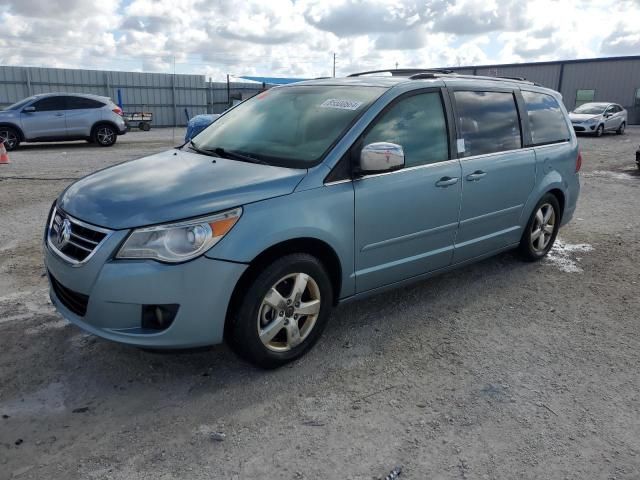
(236, 156)
(209, 153)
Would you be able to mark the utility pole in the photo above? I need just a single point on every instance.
(334, 65)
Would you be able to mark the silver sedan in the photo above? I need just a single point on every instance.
(597, 118)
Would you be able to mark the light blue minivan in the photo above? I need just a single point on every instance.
(307, 196)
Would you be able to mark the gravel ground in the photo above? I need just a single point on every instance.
(500, 370)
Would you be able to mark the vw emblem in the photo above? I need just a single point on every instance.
(64, 233)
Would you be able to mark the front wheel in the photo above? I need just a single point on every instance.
(620, 130)
(10, 138)
(105, 135)
(283, 311)
(542, 229)
(599, 130)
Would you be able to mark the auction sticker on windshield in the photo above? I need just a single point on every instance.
(341, 104)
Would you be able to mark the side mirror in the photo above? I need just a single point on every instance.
(608, 114)
(381, 157)
(29, 109)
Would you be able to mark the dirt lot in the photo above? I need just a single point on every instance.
(500, 370)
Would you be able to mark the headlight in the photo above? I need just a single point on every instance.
(179, 242)
(591, 121)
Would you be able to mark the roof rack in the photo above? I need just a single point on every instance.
(405, 72)
(426, 73)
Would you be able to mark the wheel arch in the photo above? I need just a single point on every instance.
(16, 128)
(560, 196)
(312, 246)
(104, 122)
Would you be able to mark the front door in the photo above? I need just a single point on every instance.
(497, 173)
(406, 220)
(47, 121)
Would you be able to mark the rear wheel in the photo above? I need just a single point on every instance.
(283, 312)
(620, 130)
(144, 126)
(10, 138)
(542, 229)
(105, 135)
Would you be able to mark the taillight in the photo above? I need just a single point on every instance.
(118, 111)
(579, 161)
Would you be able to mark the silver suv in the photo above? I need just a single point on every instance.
(54, 117)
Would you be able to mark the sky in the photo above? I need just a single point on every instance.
(298, 38)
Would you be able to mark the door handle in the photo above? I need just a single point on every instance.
(446, 182)
(475, 176)
(59, 114)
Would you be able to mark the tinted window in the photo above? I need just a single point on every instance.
(546, 119)
(488, 122)
(77, 103)
(50, 103)
(417, 123)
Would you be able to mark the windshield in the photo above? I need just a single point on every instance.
(289, 126)
(20, 104)
(591, 108)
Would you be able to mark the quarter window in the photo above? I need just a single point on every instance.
(584, 96)
(489, 122)
(49, 104)
(547, 122)
(418, 124)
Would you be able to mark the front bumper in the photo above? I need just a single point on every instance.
(115, 292)
(585, 127)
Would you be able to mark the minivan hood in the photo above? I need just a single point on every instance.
(581, 117)
(172, 186)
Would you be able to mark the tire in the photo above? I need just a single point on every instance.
(599, 130)
(144, 126)
(105, 135)
(532, 246)
(266, 327)
(621, 128)
(10, 137)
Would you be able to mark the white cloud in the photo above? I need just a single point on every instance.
(298, 37)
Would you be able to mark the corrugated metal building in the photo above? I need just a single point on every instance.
(613, 79)
(165, 95)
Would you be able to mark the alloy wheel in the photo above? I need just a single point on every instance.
(543, 227)
(9, 138)
(105, 135)
(289, 312)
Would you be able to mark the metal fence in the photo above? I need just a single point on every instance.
(165, 95)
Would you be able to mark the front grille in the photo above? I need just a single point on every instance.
(578, 129)
(74, 301)
(73, 240)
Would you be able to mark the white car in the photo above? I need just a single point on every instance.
(597, 118)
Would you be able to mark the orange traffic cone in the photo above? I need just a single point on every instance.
(4, 158)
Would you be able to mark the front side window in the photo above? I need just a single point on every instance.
(546, 120)
(584, 96)
(417, 123)
(288, 126)
(488, 121)
(49, 104)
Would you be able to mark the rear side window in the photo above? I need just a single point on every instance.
(418, 124)
(78, 103)
(488, 122)
(546, 120)
(49, 104)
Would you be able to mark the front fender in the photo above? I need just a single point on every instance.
(325, 213)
